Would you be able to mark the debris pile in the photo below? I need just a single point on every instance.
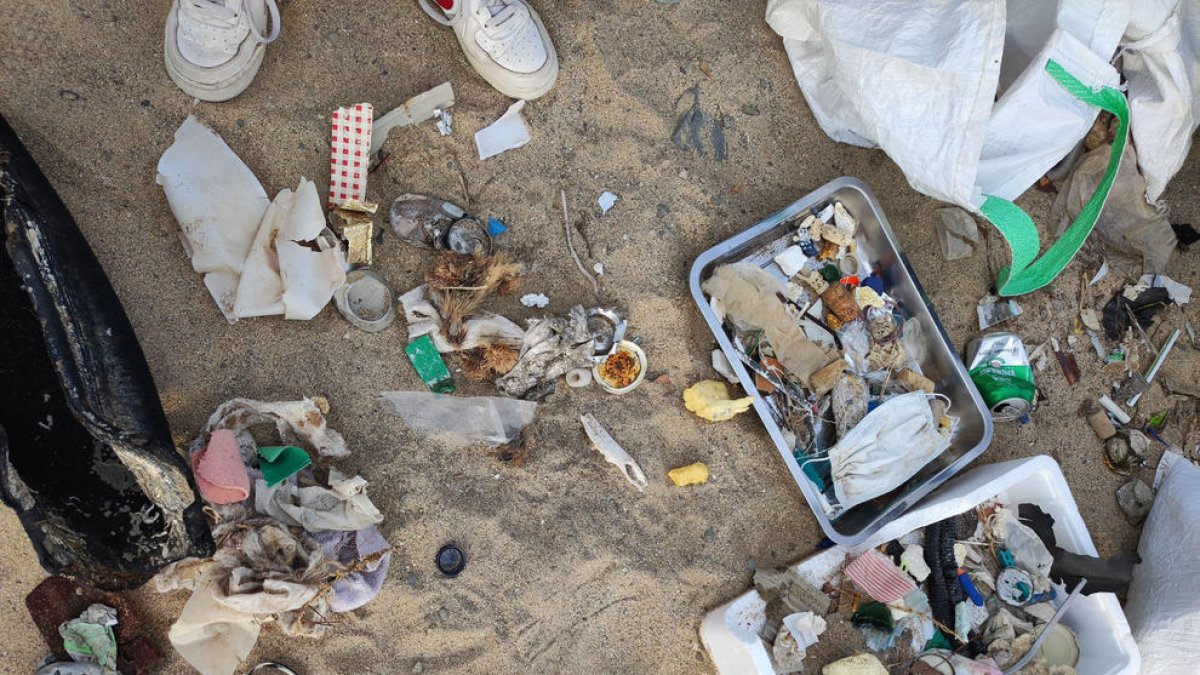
(979, 592)
(831, 359)
(297, 540)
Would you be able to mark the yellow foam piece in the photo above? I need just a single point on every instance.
(692, 474)
(710, 400)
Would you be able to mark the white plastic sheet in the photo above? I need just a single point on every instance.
(489, 420)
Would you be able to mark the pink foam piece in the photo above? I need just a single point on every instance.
(219, 469)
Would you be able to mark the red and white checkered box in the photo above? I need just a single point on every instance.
(349, 153)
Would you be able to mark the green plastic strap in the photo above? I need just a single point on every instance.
(1026, 274)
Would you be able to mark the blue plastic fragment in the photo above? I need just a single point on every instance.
(496, 227)
(874, 283)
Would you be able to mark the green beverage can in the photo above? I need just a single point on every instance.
(1000, 369)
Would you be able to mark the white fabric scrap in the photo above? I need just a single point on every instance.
(300, 423)
(507, 133)
(282, 273)
(213, 638)
(343, 506)
(218, 203)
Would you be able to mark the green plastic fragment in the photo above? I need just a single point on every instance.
(430, 365)
(831, 273)
(938, 641)
(873, 614)
(1159, 420)
(281, 462)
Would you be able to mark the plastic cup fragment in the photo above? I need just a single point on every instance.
(366, 301)
(507, 133)
(623, 370)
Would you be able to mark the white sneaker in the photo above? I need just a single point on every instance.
(505, 42)
(215, 47)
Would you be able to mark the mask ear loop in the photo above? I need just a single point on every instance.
(949, 403)
(810, 460)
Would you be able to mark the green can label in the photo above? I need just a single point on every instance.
(1000, 369)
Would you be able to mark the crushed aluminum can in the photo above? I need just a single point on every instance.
(1000, 369)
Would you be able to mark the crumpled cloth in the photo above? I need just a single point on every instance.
(90, 639)
(552, 347)
(220, 470)
(299, 423)
(343, 506)
(357, 588)
(262, 571)
(480, 330)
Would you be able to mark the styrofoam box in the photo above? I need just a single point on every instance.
(1106, 646)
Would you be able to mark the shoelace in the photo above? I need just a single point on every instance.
(222, 11)
(506, 19)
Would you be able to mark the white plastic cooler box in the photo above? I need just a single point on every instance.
(1105, 643)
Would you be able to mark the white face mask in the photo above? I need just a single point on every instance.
(890, 444)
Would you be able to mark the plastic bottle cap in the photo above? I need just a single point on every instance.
(451, 560)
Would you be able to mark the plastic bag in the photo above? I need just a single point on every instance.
(490, 420)
(920, 81)
(1128, 221)
(973, 100)
(1162, 598)
(1161, 64)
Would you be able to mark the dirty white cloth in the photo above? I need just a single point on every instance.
(1161, 63)
(890, 444)
(954, 91)
(1162, 609)
(218, 203)
(262, 571)
(300, 423)
(343, 506)
(258, 256)
(749, 295)
(211, 637)
(480, 330)
(282, 273)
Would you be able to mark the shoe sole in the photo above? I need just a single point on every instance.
(540, 82)
(213, 92)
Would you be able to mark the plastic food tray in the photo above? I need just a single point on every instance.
(940, 361)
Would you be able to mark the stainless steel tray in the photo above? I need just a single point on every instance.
(940, 361)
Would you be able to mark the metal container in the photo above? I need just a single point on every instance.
(941, 363)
